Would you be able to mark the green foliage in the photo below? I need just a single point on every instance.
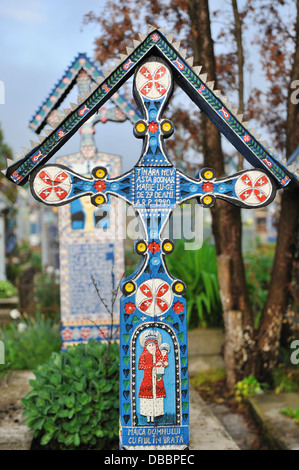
(198, 269)
(247, 387)
(291, 413)
(74, 398)
(29, 343)
(47, 293)
(207, 377)
(7, 290)
(286, 379)
(22, 258)
(258, 266)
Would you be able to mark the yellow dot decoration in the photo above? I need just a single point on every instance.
(141, 246)
(140, 127)
(207, 199)
(99, 199)
(166, 126)
(179, 287)
(167, 246)
(129, 287)
(100, 173)
(208, 174)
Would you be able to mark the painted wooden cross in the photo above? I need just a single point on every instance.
(154, 394)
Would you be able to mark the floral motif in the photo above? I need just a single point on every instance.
(153, 247)
(85, 333)
(153, 297)
(60, 133)
(52, 184)
(100, 185)
(178, 307)
(130, 307)
(246, 138)
(105, 88)
(152, 127)
(67, 334)
(207, 186)
(154, 81)
(253, 187)
(155, 37)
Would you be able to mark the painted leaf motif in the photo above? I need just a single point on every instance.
(261, 196)
(146, 88)
(145, 305)
(245, 194)
(162, 290)
(160, 88)
(61, 193)
(62, 176)
(160, 72)
(246, 179)
(146, 73)
(45, 193)
(261, 181)
(146, 290)
(162, 304)
(45, 177)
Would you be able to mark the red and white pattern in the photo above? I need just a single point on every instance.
(52, 185)
(153, 80)
(253, 188)
(154, 297)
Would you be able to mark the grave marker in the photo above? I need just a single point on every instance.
(154, 396)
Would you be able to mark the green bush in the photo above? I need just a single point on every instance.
(198, 269)
(291, 413)
(7, 290)
(286, 379)
(258, 266)
(74, 398)
(29, 343)
(247, 387)
(47, 294)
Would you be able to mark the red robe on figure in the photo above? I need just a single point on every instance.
(146, 363)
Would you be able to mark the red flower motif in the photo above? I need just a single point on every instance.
(100, 185)
(105, 87)
(67, 334)
(152, 127)
(60, 133)
(246, 138)
(207, 186)
(153, 247)
(85, 333)
(130, 307)
(155, 37)
(178, 307)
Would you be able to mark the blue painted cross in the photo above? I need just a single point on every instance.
(154, 397)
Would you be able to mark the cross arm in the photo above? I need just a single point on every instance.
(247, 189)
(57, 185)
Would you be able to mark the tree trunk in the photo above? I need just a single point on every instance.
(240, 54)
(226, 222)
(280, 285)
